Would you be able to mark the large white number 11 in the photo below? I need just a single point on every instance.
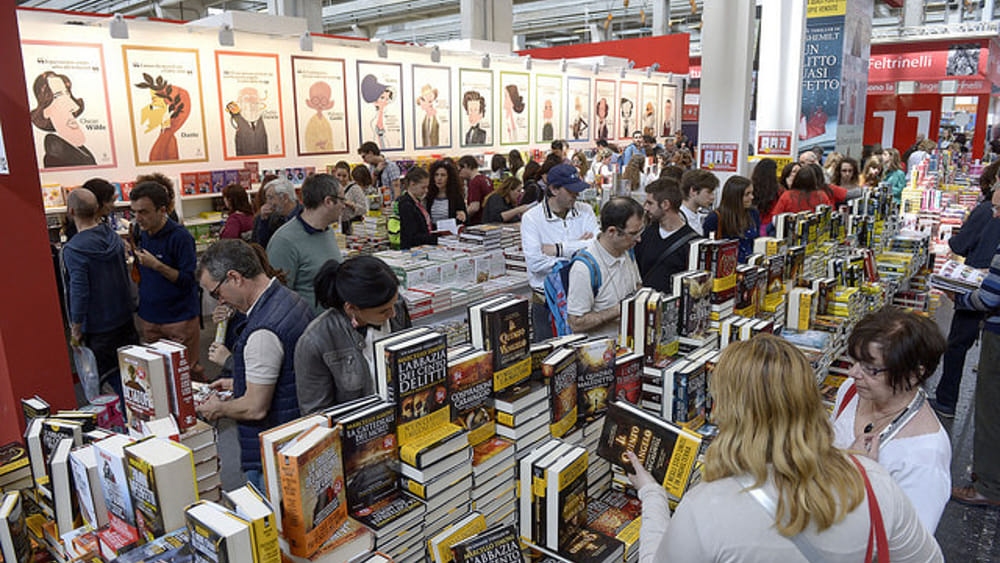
(888, 117)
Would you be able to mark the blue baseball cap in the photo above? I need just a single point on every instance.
(566, 176)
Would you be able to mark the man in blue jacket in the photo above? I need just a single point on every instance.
(168, 292)
(977, 241)
(98, 286)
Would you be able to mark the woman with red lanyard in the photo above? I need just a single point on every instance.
(882, 412)
(774, 487)
(414, 220)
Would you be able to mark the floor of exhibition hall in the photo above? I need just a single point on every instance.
(966, 534)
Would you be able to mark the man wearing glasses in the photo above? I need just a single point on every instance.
(263, 374)
(303, 244)
(596, 312)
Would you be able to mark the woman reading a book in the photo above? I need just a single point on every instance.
(334, 360)
(735, 218)
(882, 411)
(775, 486)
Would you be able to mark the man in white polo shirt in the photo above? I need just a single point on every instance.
(597, 314)
(552, 232)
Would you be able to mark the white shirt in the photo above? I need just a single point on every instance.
(694, 219)
(619, 279)
(920, 464)
(540, 226)
(263, 353)
(439, 210)
(717, 521)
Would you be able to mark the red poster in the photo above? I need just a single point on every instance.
(774, 143)
(895, 121)
(719, 157)
(927, 61)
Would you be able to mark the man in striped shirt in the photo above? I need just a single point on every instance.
(986, 456)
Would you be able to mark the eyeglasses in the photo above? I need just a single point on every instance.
(215, 292)
(867, 369)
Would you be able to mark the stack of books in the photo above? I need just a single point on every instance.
(617, 515)
(493, 480)
(156, 382)
(15, 469)
(499, 543)
(553, 494)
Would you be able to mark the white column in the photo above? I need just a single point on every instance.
(487, 20)
(661, 17)
(779, 76)
(726, 62)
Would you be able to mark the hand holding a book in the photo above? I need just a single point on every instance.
(218, 353)
(639, 477)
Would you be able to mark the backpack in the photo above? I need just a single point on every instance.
(557, 289)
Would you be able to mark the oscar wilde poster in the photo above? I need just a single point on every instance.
(165, 105)
(320, 93)
(476, 90)
(68, 101)
(250, 103)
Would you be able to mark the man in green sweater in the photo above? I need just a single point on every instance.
(303, 244)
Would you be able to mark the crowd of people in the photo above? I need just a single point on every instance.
(302, 320)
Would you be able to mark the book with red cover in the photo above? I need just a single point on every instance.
(189, 183)
(724, 258)
(628, 377)
(178, 382)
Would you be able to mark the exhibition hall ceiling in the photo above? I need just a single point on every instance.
(536, 23)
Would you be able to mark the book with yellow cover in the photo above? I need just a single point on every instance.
(248, 503)
(162, 483)
(439, 546)
(416, 371)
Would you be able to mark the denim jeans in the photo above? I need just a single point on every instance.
(965, 327)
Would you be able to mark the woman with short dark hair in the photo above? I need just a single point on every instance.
(334, 360)
(882, 411)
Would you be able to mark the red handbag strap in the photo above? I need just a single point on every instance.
(848, 397)
(877, 530)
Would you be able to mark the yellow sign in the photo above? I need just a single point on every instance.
(823, 8)
(781, 161)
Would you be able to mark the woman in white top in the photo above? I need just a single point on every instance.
(775, 438)
(881, 410)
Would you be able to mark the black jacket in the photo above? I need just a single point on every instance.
(656, 274)
(413, 229)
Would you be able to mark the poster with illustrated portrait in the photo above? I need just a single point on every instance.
(68, 101)
(670, 114)
(605, 105)
(548, 107)
(320, 93)
(649, 112)
(432, 101)
(577, 109)
(514, 104)
(476, 122)
(250, 104)
(380, 95)
(628, 109)
(165, 105)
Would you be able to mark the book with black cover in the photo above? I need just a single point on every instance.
(496, 545)
(595, 376)
(665, 450)
(506, 324)
(470, 390)
(417, 374)
(368, 441)
(566, 498)
(588, 546)
(560, 369)
(695, 291)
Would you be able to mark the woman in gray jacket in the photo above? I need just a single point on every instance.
(334, 357)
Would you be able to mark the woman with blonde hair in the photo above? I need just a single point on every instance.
(872, 174)
(831, 164)
(892, 166)
(775, 488)
(502, 206)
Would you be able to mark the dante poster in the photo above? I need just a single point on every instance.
(670, 118)
(320, 93)
(628, 113)
(70, 113)
(476, 122)
(165, 105)
(380, 94)
(577, 109)
(548, 107)
(432, 118)
(514, 104)
(649, 104)
(250, 103)
(605, 109)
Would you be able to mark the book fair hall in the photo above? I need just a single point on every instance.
(498, 281)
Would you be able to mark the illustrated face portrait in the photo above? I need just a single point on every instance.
(319, 97)
(475, 112)
(57, 109)
(602, 108)
(547, 110)
(427, 98)
(154, 114)
(383, 99)
(251, 104)
(626, 108)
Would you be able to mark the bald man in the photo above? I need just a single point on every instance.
(98, 288)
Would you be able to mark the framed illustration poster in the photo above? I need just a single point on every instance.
(628, 113)
(476, 121)
(432, 96)
(605, 109)
(320, 92)
(165, 105)
(380, 89)
(548, 108)
(649, 106)
(670, 116)
(577, 109)
(250, 105)
(514, 103)
(68, 97)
